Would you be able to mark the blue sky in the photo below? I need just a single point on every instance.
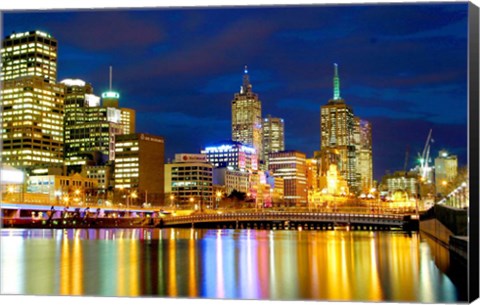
(403, 67)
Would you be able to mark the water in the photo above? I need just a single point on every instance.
(232, 264)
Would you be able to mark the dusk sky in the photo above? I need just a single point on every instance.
(402, 67)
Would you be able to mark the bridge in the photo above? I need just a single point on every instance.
(295, 220)
(41, 216)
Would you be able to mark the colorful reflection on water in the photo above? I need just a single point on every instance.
(232, 264)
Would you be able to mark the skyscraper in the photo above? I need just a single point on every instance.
(89, 128)
(111, 99)
(337, 131)
(363, 150)
(247, 116)
(273, 130)
(32, 103)
(31, 53)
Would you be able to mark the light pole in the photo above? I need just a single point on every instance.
(219, 195)
(134, 196)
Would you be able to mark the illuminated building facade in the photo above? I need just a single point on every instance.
(189, 180)
(401, 181)
(445, 171)
(231, 179)
(363, 150)
(103, 174)
(32, 103)
(232, 154)
(111, 99)
(290, 165)
(337, 132)
(312, 173)
(90, 129)
(139, 166)
(68, 190)
(273, 130)
(29, 54)
(127, 119)
(247, 116)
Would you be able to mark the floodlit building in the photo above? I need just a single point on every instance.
(401, 182)
(90, 129)
(445, 171)
(337, 132)
(67, 190)
(290, 165)
(32, 103)
(29, 54)
(189, 181)
(363, 150)
(273, 130)
(232, 154)
(247, 116)
(139, 167)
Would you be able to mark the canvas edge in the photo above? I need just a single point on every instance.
(473, 138)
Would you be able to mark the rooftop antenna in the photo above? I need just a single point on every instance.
(110, 78)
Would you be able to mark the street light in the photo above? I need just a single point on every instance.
(134, 196)
(219, 195)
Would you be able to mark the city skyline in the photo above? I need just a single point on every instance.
(190, 65)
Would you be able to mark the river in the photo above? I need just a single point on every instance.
(232, 264)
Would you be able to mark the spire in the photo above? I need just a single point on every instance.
(110, 79)
(246, 80)
(336, 83)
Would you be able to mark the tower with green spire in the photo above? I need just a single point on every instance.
(336, 84)
(337, 134)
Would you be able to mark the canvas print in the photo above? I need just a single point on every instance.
(302, 152)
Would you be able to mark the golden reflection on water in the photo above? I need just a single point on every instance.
(320, 265)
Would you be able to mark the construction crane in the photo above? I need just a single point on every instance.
(407, 153)
(425, 158)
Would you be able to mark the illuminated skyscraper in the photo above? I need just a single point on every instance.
(363, 150)
(32, 103)
(273, 130)
(31, 53)
(111, 99)
(247, 116)
(89, 128)
(337, 132)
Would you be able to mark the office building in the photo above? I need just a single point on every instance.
(139, 167)
(232, 154)
(74, 189)
(273, 130)
(90, 129)
(29, 54)
(363, 150)
(337, 132)
(247, 116)
(401, 181)
(189, 181)
(290, 165)
(445, 171)
(127, 119)
(32, 103)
